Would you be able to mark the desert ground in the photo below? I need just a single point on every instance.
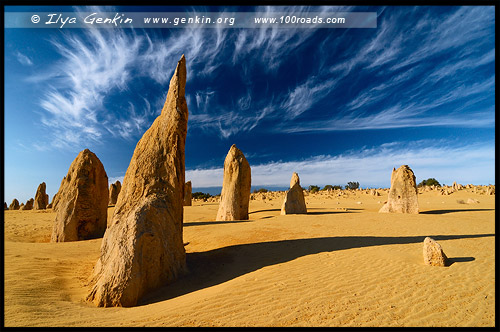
(342, 264)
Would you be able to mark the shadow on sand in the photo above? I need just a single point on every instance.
(334, 211)
(270, 210)
(314, 213)
(204, 223)
(217, 266)
(452, 211)
(309, 212)
(452, 260)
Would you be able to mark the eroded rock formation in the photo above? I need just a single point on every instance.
(143, 247)
(81, 203)
(403, 196)
(187, 194)
(294, 202)
(29, 205)
(114, 190)
(14, 205)
(41, 198)
(433, 253)
(235, 195)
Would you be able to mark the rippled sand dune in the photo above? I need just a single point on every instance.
(342, 264)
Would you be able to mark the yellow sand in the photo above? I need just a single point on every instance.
(343, 264)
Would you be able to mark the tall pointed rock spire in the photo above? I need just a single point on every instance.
(143, 247)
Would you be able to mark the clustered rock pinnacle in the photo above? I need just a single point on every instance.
(28, 205)
(14, 205)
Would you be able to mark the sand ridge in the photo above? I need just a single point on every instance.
(342, 264)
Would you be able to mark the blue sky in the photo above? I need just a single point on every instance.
(334, 105)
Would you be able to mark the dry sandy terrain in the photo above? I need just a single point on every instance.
(343, 264)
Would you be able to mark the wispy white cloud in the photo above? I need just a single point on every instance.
(460, 92)
(159, 59)
(203, 99)
(463, 64)
(419, 97)
(245, 101)
(397, 116)
(224, 123)
(389, 45)
(90, 69)
(465, 25)
(384, 48)
(371, 167)
(23, 59)
(132, 124)
(416, 113)
(202, 46)
(304, 96)
(102, 61)
(271, 42)
(380, 91)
